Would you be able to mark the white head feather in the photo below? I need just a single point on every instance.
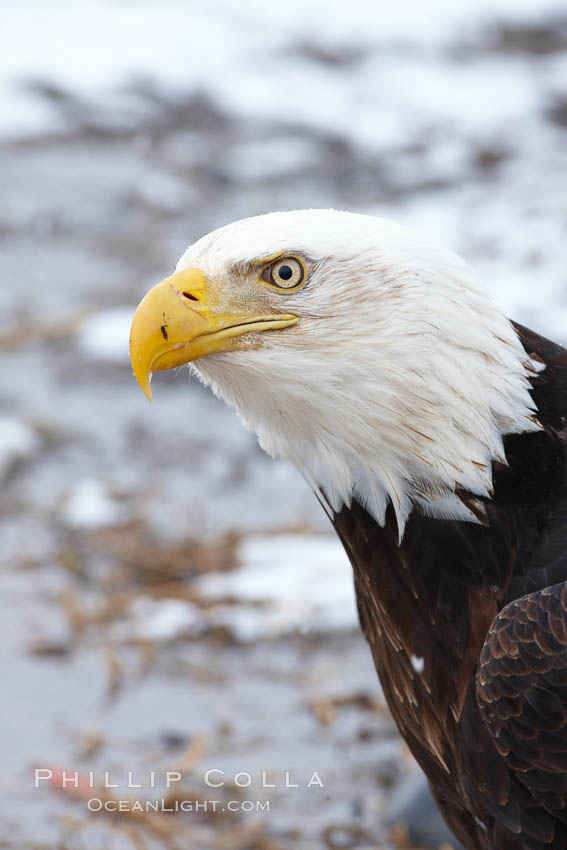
(400, 378)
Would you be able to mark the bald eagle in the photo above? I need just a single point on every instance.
(433, 431)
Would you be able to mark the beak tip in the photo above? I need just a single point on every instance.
(144, 384)
(140, 370)
(143, 381)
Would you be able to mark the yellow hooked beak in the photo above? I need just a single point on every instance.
(176, 323)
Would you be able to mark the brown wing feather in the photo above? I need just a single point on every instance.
(522, 696)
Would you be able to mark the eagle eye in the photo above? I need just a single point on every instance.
(286, 273)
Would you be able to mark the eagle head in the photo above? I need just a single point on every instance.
(354, 348)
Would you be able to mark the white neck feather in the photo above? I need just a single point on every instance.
(397, 384)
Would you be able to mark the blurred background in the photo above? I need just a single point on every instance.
(170, 598)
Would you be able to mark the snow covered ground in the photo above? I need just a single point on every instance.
(299, 581)
(252, 58)
(128, 128)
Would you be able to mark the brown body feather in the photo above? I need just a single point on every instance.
(496, 760)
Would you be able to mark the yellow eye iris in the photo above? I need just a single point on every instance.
(287, 273)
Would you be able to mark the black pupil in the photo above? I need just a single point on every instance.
(285, 272)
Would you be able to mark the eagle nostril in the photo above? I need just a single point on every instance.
(190, 296)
